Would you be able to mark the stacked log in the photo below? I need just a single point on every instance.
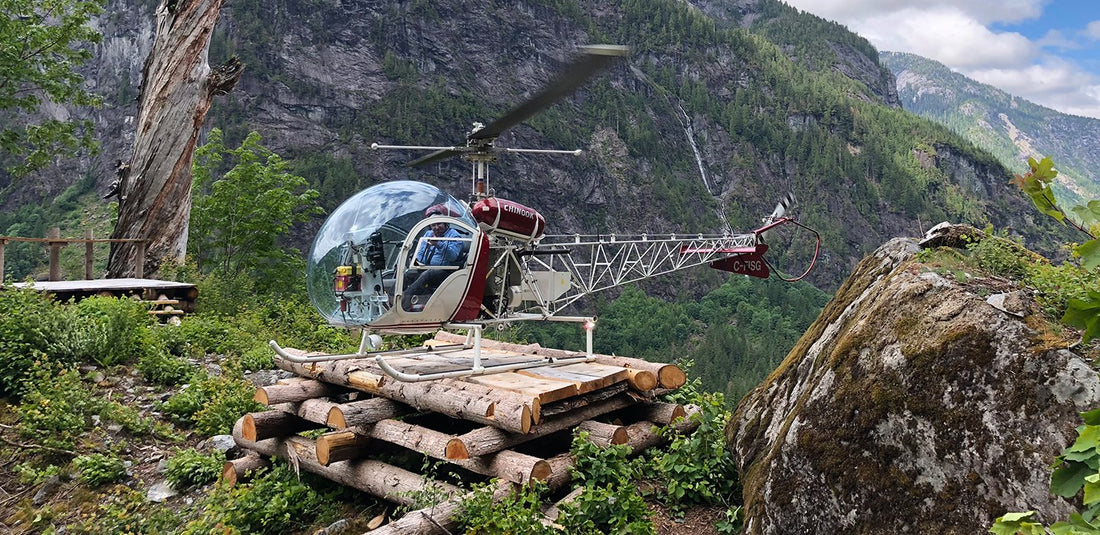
(354, 411)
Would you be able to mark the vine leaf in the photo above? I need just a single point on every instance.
(1089, 253)
(1085, 314)
(1068, 479)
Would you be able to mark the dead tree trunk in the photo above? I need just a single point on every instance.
(154, 191)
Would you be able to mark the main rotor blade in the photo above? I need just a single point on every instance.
(433, 157)
(594, 59)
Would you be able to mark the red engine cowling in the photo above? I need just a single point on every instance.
(509, 218)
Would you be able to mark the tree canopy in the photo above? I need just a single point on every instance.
(42, 42)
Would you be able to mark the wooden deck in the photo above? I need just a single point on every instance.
(159, 292)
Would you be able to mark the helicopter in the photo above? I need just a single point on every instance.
(405, 257)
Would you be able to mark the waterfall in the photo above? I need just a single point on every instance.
(685, 121)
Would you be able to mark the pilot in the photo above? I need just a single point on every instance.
(432, 252)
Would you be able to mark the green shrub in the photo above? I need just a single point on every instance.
(98, 468)
(260, 357)
(298, 324)
(1002, 257)
(610, 502)
(517, 513)
(614, 508)
(276, 501)
(1056, 285)
(30, 474)
(217, 334)
(25, 317)
(125, 510)
(56, 407)
(164, 368)
(189, 468)
(212, 403)
(176, 341)
(127, 326)
(697, 468)
(74, 339)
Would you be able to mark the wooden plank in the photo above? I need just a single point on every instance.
(423, 363)
(588, 376)
(546, 390)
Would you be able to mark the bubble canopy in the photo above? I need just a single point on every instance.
(389, 208)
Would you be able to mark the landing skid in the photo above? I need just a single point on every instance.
(473, 341)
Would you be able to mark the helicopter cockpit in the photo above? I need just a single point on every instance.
(394, 250)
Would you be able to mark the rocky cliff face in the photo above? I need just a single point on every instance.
(913, 404)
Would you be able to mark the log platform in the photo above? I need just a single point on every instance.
(514, 426)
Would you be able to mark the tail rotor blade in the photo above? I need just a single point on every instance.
(784, 205)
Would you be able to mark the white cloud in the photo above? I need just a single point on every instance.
(1055, 84)
(957, 33)
(1092, 30)
(946, 35)
(983, 11)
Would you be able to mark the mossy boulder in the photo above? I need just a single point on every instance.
(912, 405)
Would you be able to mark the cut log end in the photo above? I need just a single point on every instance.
(456, 450)
(336, 418)
(620, 436)
(643, 380)
(261, 397)
(677, 413)
(526, 419)
(671, 376)
(541, 471)
(229, 474)
(248, 427)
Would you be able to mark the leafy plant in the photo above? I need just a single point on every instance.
(98, 468)
(212, 403)
(1083, 313)
(189, 467)
(24, 335)
(238, 217)
(1003, 257)
(732, 522)
(56, 408)
(125, 324)
(517, 513)
(163, 368)
(125, 510)
(275, 501)
(610, 502)
(44, 43)
(698, 468)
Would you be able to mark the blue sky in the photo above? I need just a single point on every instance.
(1047, 51)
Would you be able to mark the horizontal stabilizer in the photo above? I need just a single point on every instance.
(752, 265)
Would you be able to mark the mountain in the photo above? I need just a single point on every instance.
(720, 109)
(1011, 128)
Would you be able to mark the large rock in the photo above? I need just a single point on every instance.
(912, 405)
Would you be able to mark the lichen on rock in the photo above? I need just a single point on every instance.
(911, 405)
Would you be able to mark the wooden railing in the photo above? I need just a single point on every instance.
(55, 242)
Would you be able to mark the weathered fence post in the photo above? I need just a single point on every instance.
(3, 242)
(55, 253)
(139, 269)
(89, 254)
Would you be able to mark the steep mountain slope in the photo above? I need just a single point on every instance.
(1011, 128)
(703, 128)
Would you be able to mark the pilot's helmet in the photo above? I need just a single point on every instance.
(436, 209)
